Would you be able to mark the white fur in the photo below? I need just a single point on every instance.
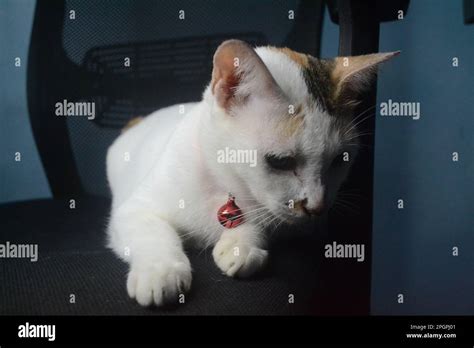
(172, 161)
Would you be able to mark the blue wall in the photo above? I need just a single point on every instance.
(25, 179)
(413, 247)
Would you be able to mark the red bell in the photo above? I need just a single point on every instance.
(230, 215)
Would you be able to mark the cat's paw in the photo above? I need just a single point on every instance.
(159, 282)
(238, 259)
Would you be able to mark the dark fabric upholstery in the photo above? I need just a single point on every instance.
(73, 259)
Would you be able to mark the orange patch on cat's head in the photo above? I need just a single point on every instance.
(299, 58)
(292, 123)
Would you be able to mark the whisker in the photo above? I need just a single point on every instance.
(360, 115)
(359, 135)
(264, 221)
(249, 212)
(351, 208)
(359, 122)
(263, 216)
(252, 214)
(348, 194)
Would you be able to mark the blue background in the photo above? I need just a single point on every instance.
(412, 247)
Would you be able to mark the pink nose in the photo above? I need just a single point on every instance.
(313, 210)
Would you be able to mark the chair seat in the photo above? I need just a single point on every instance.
(73, 260)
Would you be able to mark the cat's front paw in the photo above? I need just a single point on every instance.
(159, 282)
(237, 258)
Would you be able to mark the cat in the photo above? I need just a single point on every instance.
(293, 110)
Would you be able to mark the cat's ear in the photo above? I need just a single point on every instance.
(239, 72)
(353, 76)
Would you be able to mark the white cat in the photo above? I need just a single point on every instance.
(291, 109)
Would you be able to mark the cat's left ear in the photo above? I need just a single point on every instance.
(352, 76)
(238, 73)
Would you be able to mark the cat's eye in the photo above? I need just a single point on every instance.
(281, 162)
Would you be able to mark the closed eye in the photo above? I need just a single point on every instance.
(280, 162)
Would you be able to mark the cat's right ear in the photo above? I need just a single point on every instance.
(238, 73)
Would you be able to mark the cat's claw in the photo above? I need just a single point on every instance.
(159, 283)
(238, 259)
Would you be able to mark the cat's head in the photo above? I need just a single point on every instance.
(295, 114)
